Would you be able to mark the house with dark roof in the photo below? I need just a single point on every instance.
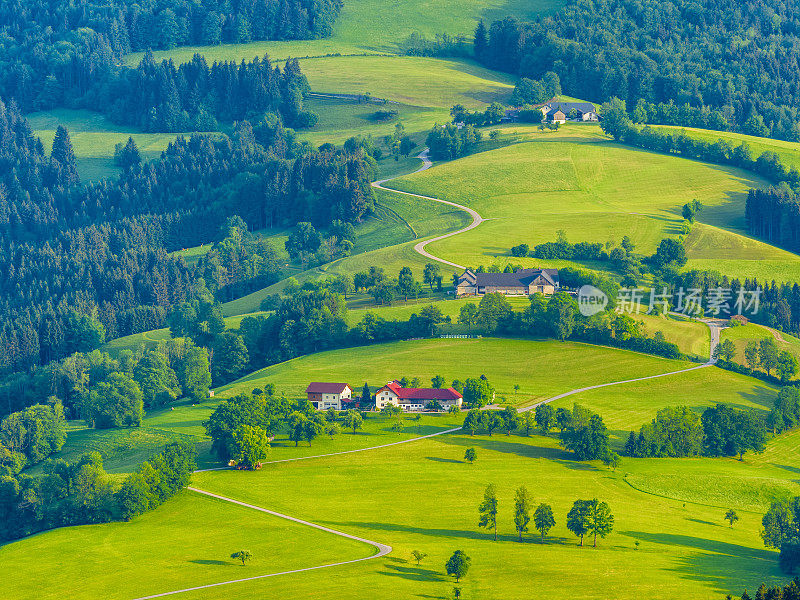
(559, 112)
(416, 399)
(323, 396)
(522, 282)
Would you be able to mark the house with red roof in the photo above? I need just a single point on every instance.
(323, 395)
(416, 399)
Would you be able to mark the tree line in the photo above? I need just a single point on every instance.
(105, 391)
(158, 96)
(675, 51)
(81, 492)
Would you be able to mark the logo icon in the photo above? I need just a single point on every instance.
(591, 300)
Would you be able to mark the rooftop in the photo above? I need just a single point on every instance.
(318, 387)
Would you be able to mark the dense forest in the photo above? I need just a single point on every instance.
(739, 58)
(61, 54)
(83, 263)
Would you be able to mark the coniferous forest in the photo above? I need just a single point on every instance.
(83, 263)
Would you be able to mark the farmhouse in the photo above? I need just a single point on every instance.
(323, 396)
(559, 112)
(415, 399)
(522, 282)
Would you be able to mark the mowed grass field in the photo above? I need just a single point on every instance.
(186, 542)
(596, 190)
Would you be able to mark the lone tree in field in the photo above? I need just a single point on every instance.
(601, 521)
(543, 519)
(353, 420)
(522, 510)
(242, 555)
(578, 518)
(470, 455)
(731, 516)
(488, 510)
(418, 555)
(612, 459)
(457, 565)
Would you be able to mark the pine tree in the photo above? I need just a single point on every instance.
(64, 155)
(481, 41)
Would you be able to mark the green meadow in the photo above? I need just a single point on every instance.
(423, 496)
(789, 152)
(596, 190)
(540, 368)
(740, 336)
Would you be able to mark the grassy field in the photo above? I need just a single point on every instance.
(686, 549)
(93, 139)
(188, 541)
(370, 26)
(627, 406)
(596, 190)
(674, 508)
(506, 363)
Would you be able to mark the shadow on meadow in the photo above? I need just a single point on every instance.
(433, 532)
(500, 442)
(223, 563)
(413, 573)
(730, 567)
(444, 460)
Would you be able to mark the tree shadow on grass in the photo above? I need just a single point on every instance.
(703, 522)
(729, 567)
(788, 468)
(201, 561)
(506, 444)
(444, 460)
(412, 573)
(448, 533)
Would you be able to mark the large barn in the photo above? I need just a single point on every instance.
(522, 282)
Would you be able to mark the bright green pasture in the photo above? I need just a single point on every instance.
(369, 26)
(627, 406)
(686, 551)
(596, 191)
(413, 80)
(540, 368)
(93, 138)
(186, 542)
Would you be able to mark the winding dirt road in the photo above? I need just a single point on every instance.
(420, 246)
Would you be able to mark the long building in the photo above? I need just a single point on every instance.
(523, 282)
(416, 399)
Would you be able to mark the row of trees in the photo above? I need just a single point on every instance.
(586, 517)
(781, 531)
(446, 142)
(680, 432)
(675, 51)
(112, 392)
